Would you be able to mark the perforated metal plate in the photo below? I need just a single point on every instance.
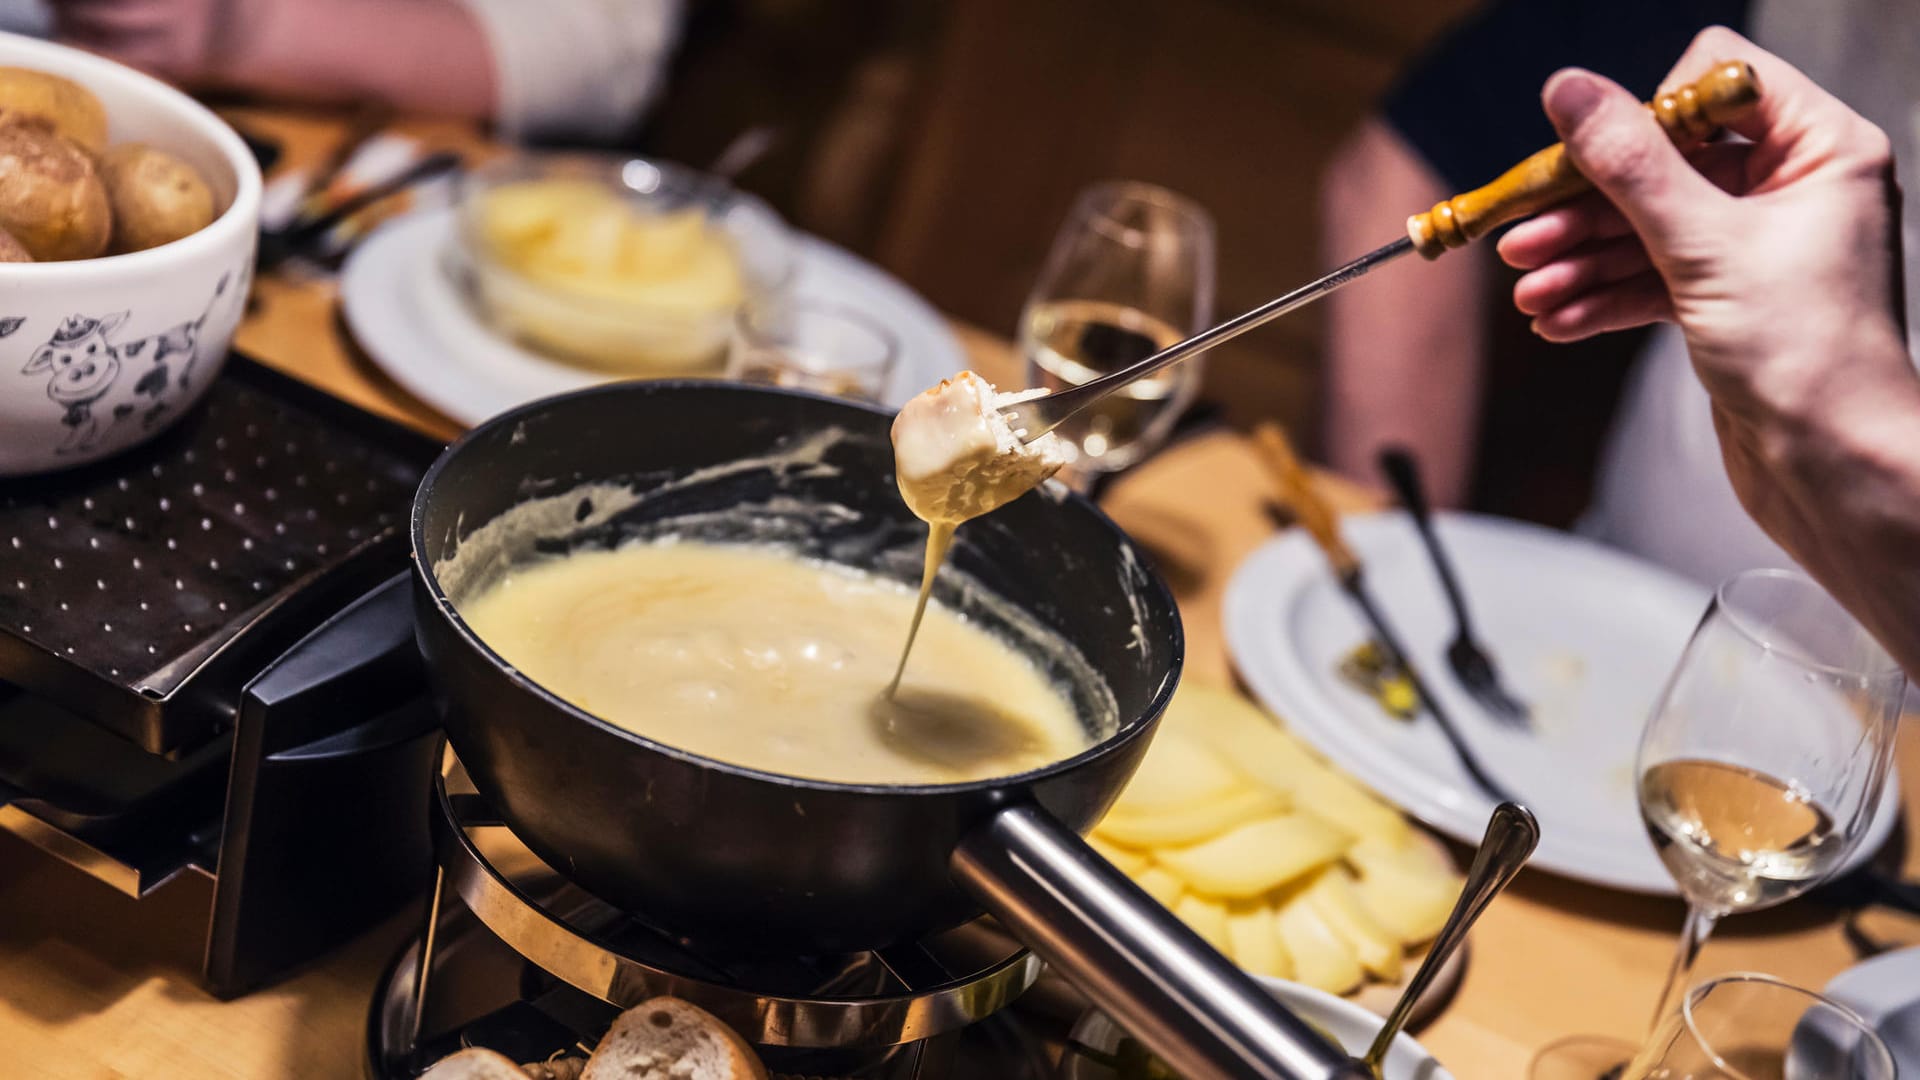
(142, 591)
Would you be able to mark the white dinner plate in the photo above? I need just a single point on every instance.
(412, 321)
(1886, 991)
(1586, 635)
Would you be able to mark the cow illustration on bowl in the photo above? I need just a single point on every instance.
(83, 365)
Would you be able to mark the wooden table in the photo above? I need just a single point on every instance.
(94, 985)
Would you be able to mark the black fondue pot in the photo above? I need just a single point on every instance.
(738, 859)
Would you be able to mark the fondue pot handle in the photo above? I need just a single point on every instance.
(1192, 1006)
(1689, 114)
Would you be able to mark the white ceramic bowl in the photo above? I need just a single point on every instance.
(1352, 1025)
(620, 335)
(97, 355)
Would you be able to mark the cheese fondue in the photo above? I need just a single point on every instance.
(757, 657)
(955, 457)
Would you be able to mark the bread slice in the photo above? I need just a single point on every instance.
(474, 1064)
(665, 1038)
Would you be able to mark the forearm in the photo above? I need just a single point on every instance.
(1849, 464)
(1404, 345)
(422, 55)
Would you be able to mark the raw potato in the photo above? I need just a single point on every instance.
(1320, 957)
(1282, 862)
(474, 1063)
(60, 105)
(51, 197)
(665, 1038)
(1194, 822)
(156, 197)
(1257, 857)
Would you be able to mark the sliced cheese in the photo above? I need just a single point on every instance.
(1256, 857)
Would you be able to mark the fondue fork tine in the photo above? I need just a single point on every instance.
(1318, 517)
(1689, 114)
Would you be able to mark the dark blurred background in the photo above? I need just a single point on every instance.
(946, 138)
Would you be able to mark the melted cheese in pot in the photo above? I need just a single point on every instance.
(757, 657)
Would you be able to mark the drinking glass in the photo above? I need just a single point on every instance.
(1130, 272)
(1755, 1027)
(1764, 759)
(811, 346)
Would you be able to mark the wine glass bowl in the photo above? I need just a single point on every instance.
(1756, 1027)
(1130, 273)
(1765, 757)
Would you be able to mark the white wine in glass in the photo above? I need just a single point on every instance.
(1130, 273)
(1760, 768)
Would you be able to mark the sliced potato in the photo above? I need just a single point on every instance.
(1161, 885)
(1411, 902)
(1208, 918)
(1332, 895)
(1256, 857)
(1321, 957)
(1129, 861)
(1193, 822)
(1256, 944)
(1244, 735)
(1176, 771)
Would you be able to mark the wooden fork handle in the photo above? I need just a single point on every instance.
(1296, 489)
(1689, 114)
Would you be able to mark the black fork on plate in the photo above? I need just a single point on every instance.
(1470, 662)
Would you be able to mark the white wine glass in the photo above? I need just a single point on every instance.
(1130, 273)
(1762, 764)
(1756, 1027)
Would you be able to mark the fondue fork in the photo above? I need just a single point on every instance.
(1690, 114)
(1322, 523)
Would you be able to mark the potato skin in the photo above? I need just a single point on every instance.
(51, 197)
(69, 109)
(11, 250)
(156, 197)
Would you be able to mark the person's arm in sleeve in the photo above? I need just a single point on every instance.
(582, 69)
(1783, 272)
(538, 68)
(1404, 346)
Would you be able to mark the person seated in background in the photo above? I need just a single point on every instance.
(1785, 286)
(582, 70)
(1406, 351)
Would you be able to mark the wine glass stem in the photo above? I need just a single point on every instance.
(1693, 935)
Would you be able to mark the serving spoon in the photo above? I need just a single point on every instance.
(1511, 836)
(1690, 114)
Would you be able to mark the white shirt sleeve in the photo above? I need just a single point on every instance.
(576, 68)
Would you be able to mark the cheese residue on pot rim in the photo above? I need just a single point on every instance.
(956, 457)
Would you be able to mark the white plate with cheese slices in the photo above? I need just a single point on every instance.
(411, 319)
(1586, 635)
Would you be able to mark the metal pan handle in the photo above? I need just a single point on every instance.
(1157, 978)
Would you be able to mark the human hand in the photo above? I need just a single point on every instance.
(1779, 258)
